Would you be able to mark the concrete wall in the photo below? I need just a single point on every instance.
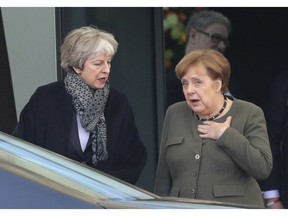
(31, 44)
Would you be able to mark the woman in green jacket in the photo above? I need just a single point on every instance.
(213, 147)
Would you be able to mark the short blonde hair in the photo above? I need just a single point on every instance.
(218, 67)
(85, 42)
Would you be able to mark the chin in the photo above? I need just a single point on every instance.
(99, 86)
(195, 110)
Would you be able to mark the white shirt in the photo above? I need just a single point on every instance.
(271, 194)
(83, 135)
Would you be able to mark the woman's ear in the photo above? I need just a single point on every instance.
(77, 70)
(218, 85)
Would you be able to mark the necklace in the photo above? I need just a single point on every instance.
(215, 116)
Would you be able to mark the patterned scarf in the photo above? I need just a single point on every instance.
(91, 111)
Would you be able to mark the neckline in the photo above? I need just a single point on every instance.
(215, 116)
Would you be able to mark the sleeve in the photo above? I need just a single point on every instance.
(25, 128)
(250, 150)
(163, 181)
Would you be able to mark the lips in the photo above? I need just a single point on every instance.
(194, 100)
(102, 80)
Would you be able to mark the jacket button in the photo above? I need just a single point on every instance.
(193, 191)
(197, 156)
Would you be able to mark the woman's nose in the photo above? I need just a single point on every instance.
(190, 89)
(106, 67)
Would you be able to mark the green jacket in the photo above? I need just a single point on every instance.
(222, 170)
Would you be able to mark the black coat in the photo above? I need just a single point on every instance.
(47, 118)
(276, 113)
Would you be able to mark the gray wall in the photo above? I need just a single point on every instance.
(31, 44)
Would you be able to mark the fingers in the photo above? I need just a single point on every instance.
(228, 120)
(211, 129)
(203, 129)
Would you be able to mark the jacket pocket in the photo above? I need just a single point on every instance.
(228, 190)
(174, 141)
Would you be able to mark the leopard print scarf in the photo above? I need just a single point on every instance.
(91, 111)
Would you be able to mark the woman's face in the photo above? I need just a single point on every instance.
(200, 90)
(95, 72)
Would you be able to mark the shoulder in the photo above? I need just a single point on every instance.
(50, 92)
(116, 93)
(179, 107)
(117, 100)
(246, 106)
(118, 106)
(51, 88)
(117, 96)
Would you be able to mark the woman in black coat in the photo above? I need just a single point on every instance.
(83, 118)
